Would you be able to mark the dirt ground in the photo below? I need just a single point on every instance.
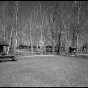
(45, 71)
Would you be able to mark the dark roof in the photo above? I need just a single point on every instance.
(4, 43)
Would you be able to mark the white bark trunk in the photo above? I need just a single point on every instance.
(31, 35)
(10, 41)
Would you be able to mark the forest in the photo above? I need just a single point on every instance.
(42, 23)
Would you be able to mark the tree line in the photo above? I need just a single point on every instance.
(56, 23)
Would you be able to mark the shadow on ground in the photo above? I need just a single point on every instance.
(80, 57)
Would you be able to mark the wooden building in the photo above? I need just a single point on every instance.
(3, 47)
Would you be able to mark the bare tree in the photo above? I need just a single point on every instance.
(75, 24)
(58, 21)
(10, 17)
(12, 14)
(31, 33)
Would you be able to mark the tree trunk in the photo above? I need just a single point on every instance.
(10, 42)
(59, 43)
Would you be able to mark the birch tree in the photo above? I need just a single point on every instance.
(12, 14)
(58, 22)
(75, 23)
(9, 22)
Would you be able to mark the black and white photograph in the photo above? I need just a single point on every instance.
(44, 43)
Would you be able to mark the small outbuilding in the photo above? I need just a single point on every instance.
(3, 47)
(3, 52)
